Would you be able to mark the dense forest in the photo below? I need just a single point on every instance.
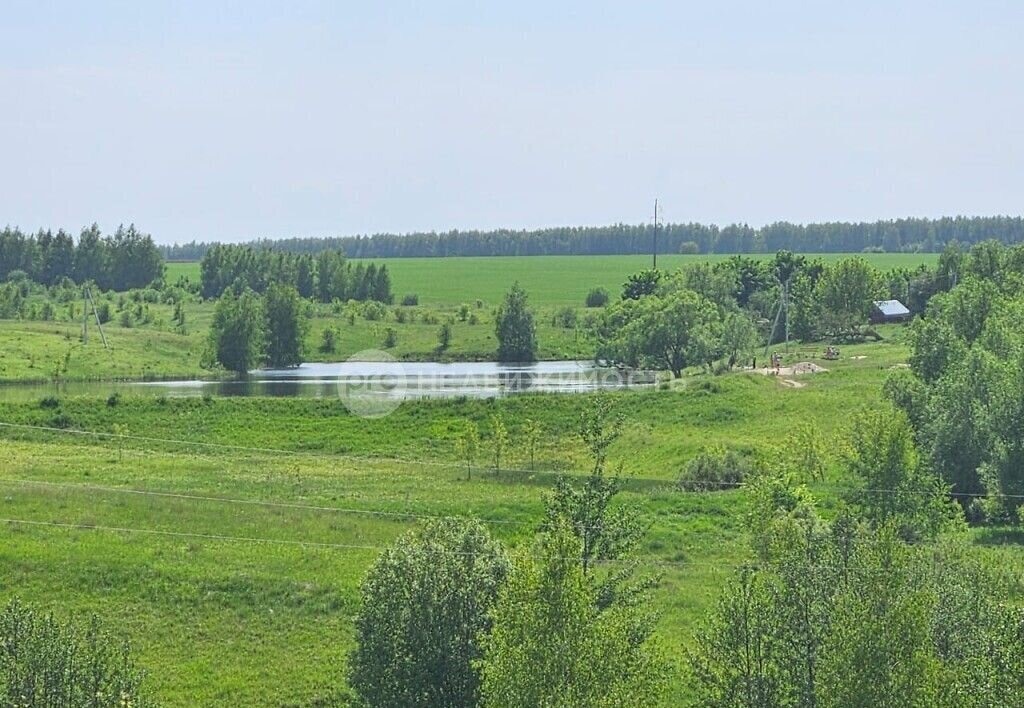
(900, 235)
(128, 259)
(327, 278)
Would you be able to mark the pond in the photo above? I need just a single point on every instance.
(391, 380)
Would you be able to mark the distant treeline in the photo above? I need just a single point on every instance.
(326, 277)
(901, 235)
(128, 259)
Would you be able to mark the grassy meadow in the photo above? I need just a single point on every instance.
(227, 537)
(268, 621)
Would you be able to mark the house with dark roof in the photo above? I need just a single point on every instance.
(886, 311)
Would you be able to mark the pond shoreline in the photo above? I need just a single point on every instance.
(384, 379)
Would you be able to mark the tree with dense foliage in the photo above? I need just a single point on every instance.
(128, 259)
(847, 614)
(641, 284)
(964, 393)
(597, 297)
(287, 324)
(672, 332)
(515, 328)
(329, 277)
(426, 605)
(237, 333)
(739, 337)
(47, 662)
(893, 486)
(846, 291)
(550, 644)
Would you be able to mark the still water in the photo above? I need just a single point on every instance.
(389, 379)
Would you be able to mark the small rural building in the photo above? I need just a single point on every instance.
(886, 311)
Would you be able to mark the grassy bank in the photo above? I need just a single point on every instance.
(224, 602)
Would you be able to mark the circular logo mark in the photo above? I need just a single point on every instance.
(373, 384)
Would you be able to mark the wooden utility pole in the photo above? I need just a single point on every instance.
(655, 266)
(88, 302)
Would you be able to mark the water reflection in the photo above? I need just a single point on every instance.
(401, 380)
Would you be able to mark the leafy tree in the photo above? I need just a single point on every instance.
(641, 284)
(48, 662)
(739, 337)
(606, 531)
(286, 326)
(935, 347)
(329, 340)
(672, 332)
(967, 307)
(237, 332)
(305, 272)
(531, 438)
(444, 337)
(467, 444)
(515, 329)
(426, 604)
(499, 441)
(846, 292)
(843, 614)
(550, 645)
(751, 276)
(58, 258)
(893, 488)
(717, 284)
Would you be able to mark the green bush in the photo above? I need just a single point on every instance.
(374, 311)
(598, 297)
(411, 300)
(444, 336)
(564, 318)
(46, 662)
(329, 341)
(716, 468)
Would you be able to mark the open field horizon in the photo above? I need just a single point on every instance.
(549, 280)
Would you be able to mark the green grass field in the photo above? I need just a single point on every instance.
(550, 280)
(268, 621)
(228, 536)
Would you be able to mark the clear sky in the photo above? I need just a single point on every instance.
(229, 121)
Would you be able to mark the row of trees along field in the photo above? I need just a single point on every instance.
(127, 259)
(900, 235)
(326, 277)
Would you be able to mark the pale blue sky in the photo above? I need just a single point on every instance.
(231, 121)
